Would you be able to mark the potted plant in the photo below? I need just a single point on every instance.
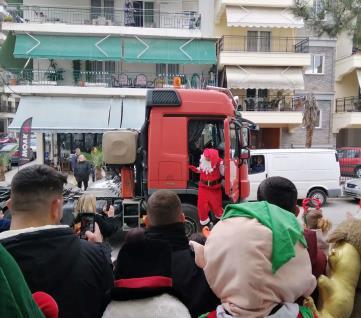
(8, 18)
(5, 164)
(96, 160)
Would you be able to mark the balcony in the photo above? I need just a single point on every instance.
(273, 111)
(93, 16)
(348, 113)
(62, 81)
(263, 51)
(348, 104)
(271, 103)
(257, 13)
(347, 65)
(5, 108)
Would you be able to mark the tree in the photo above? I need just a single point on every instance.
(310, 118)
(331, 17)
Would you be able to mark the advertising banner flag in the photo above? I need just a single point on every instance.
(24, 141)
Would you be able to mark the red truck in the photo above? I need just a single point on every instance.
(178, 125)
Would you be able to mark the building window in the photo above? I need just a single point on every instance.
(102, 8)
(167, 69)
(319, 120)
(258, 41)
(317, 65)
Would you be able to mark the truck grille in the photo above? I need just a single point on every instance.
(164, 98)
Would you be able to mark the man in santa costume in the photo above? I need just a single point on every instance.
(209, 187)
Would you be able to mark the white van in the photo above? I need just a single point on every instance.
(315, 172)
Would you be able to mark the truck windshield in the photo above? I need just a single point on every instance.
(204, 134)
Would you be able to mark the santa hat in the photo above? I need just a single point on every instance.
(256, 258)
(212, 155)
(47, 304)
(143, 270)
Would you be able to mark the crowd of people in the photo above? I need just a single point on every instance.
(258, 260)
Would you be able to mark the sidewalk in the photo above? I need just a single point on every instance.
(10, 174)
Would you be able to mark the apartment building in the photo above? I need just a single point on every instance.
(8, 102)
(89, 63)
(268, 60)
(262, 60)
(347, 115)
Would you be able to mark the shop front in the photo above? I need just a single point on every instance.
(63, 124)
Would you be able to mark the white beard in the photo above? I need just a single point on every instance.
(205, 165)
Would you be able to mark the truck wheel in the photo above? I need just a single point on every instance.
(318, 194)
(358, 172)
(192, 224)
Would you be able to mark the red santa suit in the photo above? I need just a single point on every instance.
(209, 188)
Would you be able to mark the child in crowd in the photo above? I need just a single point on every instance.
(256, 261)
(315, 221)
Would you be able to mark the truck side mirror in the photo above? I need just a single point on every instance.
(244, 137)
(245, 154)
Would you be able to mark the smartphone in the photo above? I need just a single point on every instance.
(87, 223)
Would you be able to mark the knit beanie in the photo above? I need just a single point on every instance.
(47, 304)
(143, 270)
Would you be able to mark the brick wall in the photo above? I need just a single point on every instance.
(322, 86)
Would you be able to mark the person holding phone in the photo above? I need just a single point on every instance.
(86, 209)
(76, 273)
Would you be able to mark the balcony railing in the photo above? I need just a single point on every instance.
(348, 104)
(105, 16)
(271, 103)
(107, 79)
(7, 109)
(235, 43)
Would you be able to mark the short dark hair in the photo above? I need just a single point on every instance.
(33, 186)
(164, 207)
(278, 191)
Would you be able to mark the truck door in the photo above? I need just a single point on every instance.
(231, 160)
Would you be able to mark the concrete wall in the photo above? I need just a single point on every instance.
(206, 9)
(322, 86)
(349, 138)
(348, 86)
(321, 136)
(325, 82)
(344, 45)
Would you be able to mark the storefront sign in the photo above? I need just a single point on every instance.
(24, 141)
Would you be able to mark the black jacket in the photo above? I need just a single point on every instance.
(82, 170)
(77, 273)
(189, 281)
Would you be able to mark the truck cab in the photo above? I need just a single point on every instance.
(179, 125)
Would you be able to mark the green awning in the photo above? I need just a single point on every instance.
(169, 51)
(98, 48)
(7, 59)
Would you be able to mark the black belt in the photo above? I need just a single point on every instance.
(211, 183)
